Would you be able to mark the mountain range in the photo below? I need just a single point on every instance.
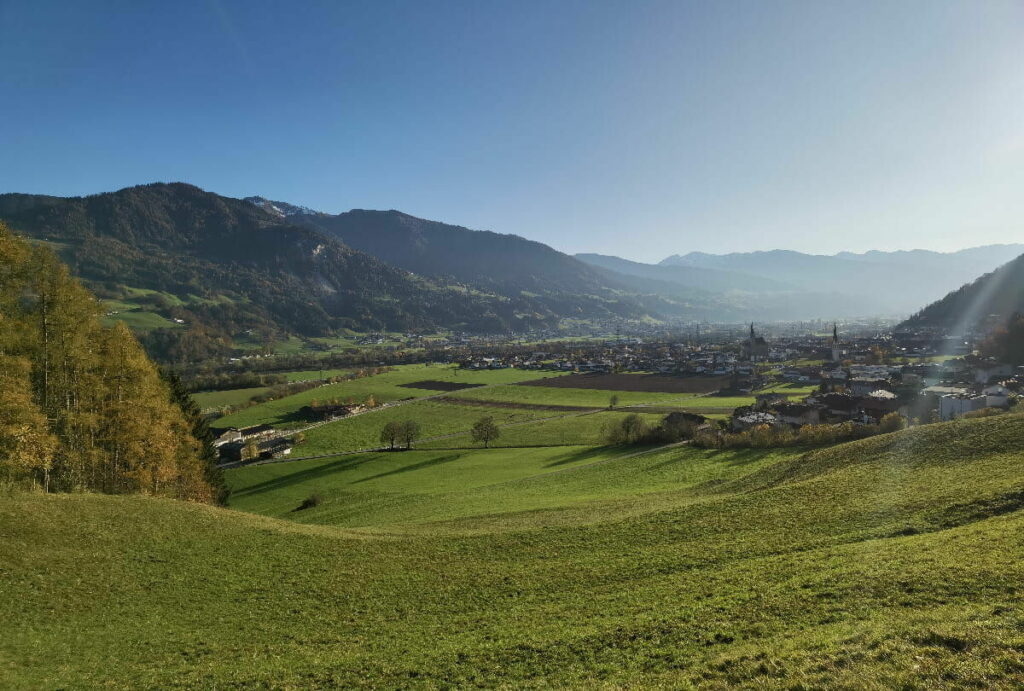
(883, 283)
(239, 265)
(226, 266)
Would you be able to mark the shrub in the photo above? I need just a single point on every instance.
(893, 422)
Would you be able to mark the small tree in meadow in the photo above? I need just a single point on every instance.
(633, 428)
(613, 401)
(409, 432)
(390, 433)
(485, 430)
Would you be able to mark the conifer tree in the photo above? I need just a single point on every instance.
(208, 456)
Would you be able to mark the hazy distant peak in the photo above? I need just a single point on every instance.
(1004, 250)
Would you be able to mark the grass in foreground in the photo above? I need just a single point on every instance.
(893, 562)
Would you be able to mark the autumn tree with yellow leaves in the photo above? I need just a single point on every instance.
(83, 408)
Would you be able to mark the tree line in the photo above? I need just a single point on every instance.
(83, 408)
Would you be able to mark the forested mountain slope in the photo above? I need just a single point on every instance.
(254, 269)
(514, 266)
(997, 295)
(505, 264)
(430, 248)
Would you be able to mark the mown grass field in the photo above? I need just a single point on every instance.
(556, 396)
(309, 374)
(383, 387)
(435, 419)
(140, 320)
(568, 429)
(892, 562)
(219, 399)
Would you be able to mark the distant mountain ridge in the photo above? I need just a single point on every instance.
(505, 264)
(432, 248)
(684, 275)
(902, 281)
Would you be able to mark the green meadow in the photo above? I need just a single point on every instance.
(435, 418)
(219, 399)
(567, 429)
(891, 562)
(383, 387)
(559, 396)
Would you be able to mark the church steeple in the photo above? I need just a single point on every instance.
(835, 334)
(751, 332)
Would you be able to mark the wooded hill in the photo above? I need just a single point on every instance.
(247, 268)
(997, 295)
(81, 406)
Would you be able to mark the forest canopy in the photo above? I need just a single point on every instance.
(83, 408)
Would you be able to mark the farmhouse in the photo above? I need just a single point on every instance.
(257, 432)
(330, 411)
(243, 435)
(269, 448)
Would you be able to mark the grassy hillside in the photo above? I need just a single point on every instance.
(890, 562)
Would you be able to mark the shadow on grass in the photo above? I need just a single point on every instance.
(733, 457)
(415, 466)
(301, 476)
(583, 455)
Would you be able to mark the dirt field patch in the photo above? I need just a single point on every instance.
(434, 385)
(647, 383)
(513, 405)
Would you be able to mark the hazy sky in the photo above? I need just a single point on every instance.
(633, 128)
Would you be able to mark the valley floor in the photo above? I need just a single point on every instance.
(894, 561)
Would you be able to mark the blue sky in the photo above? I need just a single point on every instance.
(640, 129)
